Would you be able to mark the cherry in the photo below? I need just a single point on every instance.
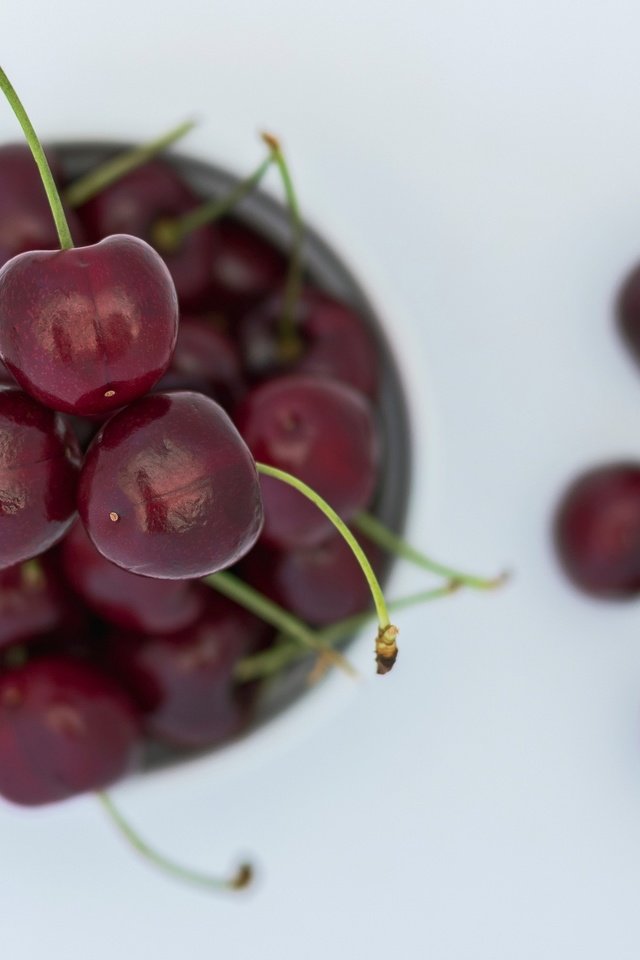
(64, 728)
(135, 205)
(6, 380)
(323, 433)
(183, 681)
(32, 602)
(39, 464)
(246, 268)
(336, 344)
(169, 488)
(205, 360)
(25, 217)
(320, 584)
(597, 530)
(135, 603)
(89, 329)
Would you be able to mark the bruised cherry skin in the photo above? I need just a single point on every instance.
(134, 603)
(183, 681)
(205, 360)
(26, 222)
(336, 344)
(246, 268)
(65, 728)
(169, 489)
(88, 330)
(39, 467)
(597, 531)
(320, 584)
(324, 434)
(136, 203)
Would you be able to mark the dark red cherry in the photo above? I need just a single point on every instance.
(136, 203)
(32, 602)
(39, 465)
(184, 681)
(246, 268)
(26, 222)
(320, 584)
(64, 728)
(205, 360)
(169, 488)
(88, 330)
(597, 530)
(336, 343)
(323, 433)
(125, 599)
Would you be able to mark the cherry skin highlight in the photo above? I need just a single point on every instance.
(323, 433)
(39, 466)
(65, 728)
(135, 205)
(336, 344)
(134, 603)
(183, 682)
(169, 489)
(88, 330)
(597, 531)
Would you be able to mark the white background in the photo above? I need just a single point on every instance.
(479, 162)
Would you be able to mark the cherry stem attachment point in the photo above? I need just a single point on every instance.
(289, 339)
(386, 647)
(376, 531)
(241, 879)
(64, 234)
(168, 233)
(102, 176)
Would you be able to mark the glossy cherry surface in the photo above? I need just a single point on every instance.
(136, 203)
(205, 360)
(64, 728)
(87, 330)
(246, 268)
(39, 465)
(26, 222)
(169, 488)
(135, 603)
(183, 681)
(336, 343)
(597, 531)
(323, 433)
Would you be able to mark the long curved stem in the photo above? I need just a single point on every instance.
(386, 647)
(376, 531)
(64, 234)
(91, 183)
(240, 879)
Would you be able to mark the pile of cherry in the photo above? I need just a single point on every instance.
(127, 446)
(597, 523)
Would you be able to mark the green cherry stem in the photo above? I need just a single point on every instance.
(386, 648)
(241, 879)
(168, 234)
(93, 182)
(64, 234)
(251, 599)
(389, 541)
(259, 666)
(289, 340)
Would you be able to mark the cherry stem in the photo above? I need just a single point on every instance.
(95, 180)
(269, 662)
(392, 543)
(168, 234)
(241, 879)
(64, 234)
(386, 648)
(251, 599)
(289, 340)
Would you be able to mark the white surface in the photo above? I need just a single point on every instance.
(482, 802)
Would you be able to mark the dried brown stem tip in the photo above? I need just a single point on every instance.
(272, 142)
(386, 648)
(243, 878)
